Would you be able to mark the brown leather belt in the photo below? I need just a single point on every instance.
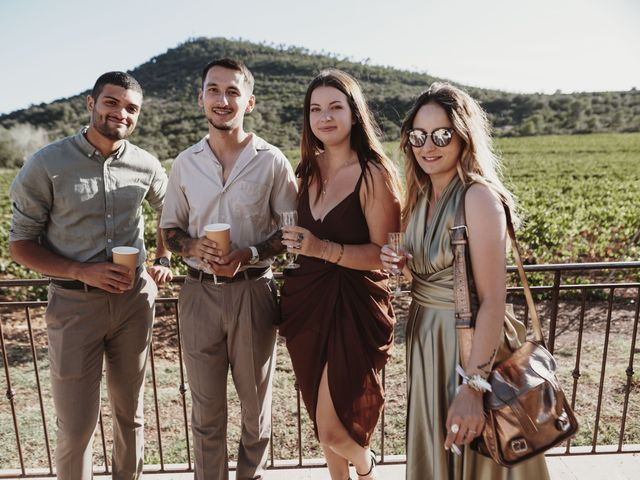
(78, 285)
(248, 274)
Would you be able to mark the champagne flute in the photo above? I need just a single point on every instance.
(396, 242)
(290, 219)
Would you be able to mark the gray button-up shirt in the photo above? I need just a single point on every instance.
(260, 186)
(81, 205)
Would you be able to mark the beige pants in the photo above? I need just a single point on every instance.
(83, 328)
(226, 326)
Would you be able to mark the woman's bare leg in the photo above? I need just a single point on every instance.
(335, 438)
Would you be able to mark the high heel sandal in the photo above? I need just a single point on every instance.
(373, 465)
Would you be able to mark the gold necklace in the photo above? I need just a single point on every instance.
(326, 180)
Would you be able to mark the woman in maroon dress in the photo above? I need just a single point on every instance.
(336, 315)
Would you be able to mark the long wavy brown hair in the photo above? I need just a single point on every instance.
(478, 162)
(364, 138)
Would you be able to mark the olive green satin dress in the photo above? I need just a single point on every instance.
(432, 355)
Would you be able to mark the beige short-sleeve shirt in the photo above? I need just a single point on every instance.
(260, 186)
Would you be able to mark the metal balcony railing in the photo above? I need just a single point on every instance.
(590, 313)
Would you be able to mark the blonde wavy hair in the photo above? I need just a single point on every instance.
(478, 161)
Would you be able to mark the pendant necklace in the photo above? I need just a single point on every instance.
(326, 180)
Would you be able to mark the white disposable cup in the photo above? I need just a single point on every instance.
(127, 256)
(221, 234)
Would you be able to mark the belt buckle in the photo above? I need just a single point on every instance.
(217, 279)
(459, 227)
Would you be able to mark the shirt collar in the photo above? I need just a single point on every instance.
(89, 150)
(257, 143)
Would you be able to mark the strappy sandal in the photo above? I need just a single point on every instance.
(373, 465)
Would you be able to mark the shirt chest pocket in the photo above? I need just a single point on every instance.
(131, 195)
(250, 199)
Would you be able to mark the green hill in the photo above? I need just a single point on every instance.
(171, 119)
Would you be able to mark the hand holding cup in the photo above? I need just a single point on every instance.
(221, 234)
(128, 257)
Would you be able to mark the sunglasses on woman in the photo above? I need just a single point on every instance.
(441, 137)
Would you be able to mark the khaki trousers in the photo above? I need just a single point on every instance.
(83, 328)
(222, 326)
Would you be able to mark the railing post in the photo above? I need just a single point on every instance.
(155, 402)
(297, 387)
(555, 298)
(629, 371)
(37, 373)
(10, 395)
(182, 389)
(104, 443)
(576, 369)
(382, 419)
(602, 372)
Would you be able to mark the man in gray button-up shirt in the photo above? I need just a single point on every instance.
(73, 202)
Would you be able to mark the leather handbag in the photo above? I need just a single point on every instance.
(526, 410)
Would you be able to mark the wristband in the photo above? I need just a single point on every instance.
(476, 382)
(162, 262)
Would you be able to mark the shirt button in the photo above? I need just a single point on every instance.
(108, 215)
(109, 240)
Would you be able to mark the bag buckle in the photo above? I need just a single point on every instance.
(459, 227)
(519, 445)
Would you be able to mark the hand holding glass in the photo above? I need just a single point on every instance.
(395, 241)
(290, 219)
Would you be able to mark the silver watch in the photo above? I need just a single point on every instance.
(255, 258)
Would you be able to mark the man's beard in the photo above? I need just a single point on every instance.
(220, 126)
(110, 133)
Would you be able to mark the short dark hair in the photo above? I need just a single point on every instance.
(120, 79)
(231, 64)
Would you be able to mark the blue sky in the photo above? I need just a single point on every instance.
(57, 49)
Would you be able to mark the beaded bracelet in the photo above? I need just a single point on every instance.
(476, 382)
(341, 253)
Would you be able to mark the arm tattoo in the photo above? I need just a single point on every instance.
(176, 240)
(272, 246)
(486, 367)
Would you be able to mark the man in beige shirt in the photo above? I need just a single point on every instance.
(228, 302)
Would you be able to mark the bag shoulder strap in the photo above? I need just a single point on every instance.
(462, 273)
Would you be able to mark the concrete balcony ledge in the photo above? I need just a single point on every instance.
(582, 465)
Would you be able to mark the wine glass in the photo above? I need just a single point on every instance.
(396, 243)
(290, 219)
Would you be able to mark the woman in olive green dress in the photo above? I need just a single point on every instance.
(446, 141)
